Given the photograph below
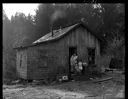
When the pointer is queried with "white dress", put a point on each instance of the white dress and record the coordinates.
(80, 65)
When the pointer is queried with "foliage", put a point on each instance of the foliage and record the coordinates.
(8, 54)
(116, 48)
(15, 32)
(106, 20)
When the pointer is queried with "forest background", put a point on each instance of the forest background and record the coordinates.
(107, 20)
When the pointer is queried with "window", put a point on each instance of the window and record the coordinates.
(91, 55)
(20, 60)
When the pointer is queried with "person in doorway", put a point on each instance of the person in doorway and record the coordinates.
(79, 67)
(73, 62)
(80, 64)
(84, 65)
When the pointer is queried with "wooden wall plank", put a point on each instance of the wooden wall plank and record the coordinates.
(56, 53)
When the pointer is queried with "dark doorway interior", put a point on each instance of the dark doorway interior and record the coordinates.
(91, 56)
(72, 50)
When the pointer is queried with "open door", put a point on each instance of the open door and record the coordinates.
(91, 56)
(72, 50)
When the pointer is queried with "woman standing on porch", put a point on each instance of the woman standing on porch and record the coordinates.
(73, 62)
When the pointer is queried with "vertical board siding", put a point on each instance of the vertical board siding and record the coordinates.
(36, 64)
(47, 58)
(22, 67)
(53, 59)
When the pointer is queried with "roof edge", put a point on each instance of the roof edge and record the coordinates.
(78, 24)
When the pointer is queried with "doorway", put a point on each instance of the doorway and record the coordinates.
(72, 50)
(91, 56)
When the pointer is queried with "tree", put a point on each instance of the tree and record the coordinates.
(8, 54)
(107, 20)
(23, 29)
(19, 31)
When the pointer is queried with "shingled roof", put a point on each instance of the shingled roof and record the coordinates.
(56, 34)
(60, 33)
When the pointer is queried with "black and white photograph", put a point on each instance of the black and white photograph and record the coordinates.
(63, 50)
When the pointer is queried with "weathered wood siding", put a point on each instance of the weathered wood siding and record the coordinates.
(43, 62)
(46, 58)
(22, 63)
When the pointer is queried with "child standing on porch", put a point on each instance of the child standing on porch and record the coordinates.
(79, 67)
(80, 64)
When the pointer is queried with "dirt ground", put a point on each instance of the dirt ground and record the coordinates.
(110, 89)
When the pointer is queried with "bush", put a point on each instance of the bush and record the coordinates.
(9, 67)
(116, 63)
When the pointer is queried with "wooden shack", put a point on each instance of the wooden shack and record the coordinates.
(50, 55)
